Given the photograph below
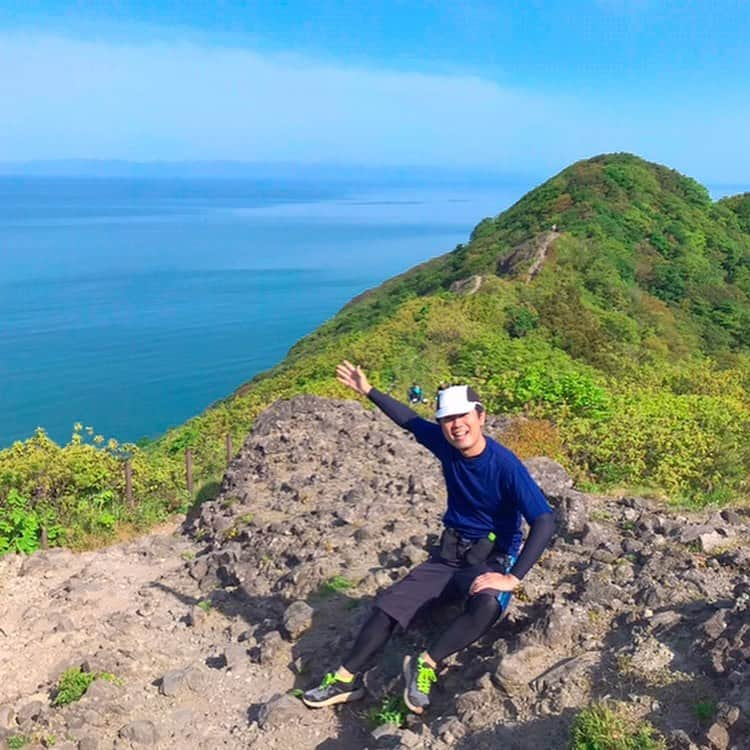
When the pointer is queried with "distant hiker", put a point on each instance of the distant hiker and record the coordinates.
(489, 492)
(554, 227)
(415, 394)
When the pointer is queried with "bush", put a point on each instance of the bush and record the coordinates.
(77, 491)
(21, 525)
(693, 447)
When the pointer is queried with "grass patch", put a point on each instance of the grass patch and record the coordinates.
(601, 727)
(336, 585)
(17, 741)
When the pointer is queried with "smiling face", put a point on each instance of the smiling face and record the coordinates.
(464, 432)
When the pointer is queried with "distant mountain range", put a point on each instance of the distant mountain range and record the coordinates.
(258, 170)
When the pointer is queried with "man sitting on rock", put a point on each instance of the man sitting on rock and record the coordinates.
(489, 492)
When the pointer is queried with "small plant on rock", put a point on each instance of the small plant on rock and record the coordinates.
(17, 741)
(74, 683)
(392, 710)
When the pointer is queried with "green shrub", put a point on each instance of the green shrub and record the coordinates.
(599, 727)
(72, 685)
(77, 491)
(692, 447)
(21, 524)
(520, 321)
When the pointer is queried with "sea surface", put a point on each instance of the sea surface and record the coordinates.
(131, 305)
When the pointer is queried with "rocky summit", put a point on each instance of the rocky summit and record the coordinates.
(197, 636)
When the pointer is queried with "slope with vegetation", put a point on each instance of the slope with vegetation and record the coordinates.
(623, 337)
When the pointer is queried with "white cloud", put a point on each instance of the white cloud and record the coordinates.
(67, 98)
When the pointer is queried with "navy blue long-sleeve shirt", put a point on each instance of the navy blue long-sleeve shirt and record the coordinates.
(491, 492)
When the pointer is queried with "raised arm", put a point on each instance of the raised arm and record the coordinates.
(352, 377)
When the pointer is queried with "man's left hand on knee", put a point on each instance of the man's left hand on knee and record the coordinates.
(495, 581)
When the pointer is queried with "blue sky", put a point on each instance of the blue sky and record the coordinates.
(517, 87)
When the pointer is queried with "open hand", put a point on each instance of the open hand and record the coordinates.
(352, 377)
(496, 581)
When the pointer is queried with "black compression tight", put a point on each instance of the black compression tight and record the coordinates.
(373, 636)
(482, 610)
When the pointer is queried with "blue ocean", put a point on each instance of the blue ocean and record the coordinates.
(132, 304)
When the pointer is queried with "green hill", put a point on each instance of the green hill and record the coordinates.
(610, 306)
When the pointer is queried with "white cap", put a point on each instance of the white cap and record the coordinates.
(458, 399)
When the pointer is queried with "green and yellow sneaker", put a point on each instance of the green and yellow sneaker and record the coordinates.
(418, 676)
(334, 690)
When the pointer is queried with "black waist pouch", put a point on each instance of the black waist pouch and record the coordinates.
(449, 546)
(455, 549)
(480, 550)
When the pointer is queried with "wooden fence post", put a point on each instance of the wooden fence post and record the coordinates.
(189, 470)
(43, 538)
(129, 483)
(230, 453)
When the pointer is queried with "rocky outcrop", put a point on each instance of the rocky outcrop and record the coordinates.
(527, 259)
(467, 286)
(204, 631)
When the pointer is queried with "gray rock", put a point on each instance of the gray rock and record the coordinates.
(101, 691)
(31, 712)
(279, 710)
(516, 671)
(717, 737)
(554, 481)
(711, 541)
(6, 717)
(567, 671)
(715, 625)
(594, 535)
(297, 618)
(727, 714)
(271, 645)
(450, 730)
(650, 656)
(386, 735)
(141, 732)
(236, 656)
(178, 680)
(681, 739)
(573, 513)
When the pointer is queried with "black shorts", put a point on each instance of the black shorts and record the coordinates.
(430, 580)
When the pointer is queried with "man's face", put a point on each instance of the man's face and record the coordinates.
(464, 432)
